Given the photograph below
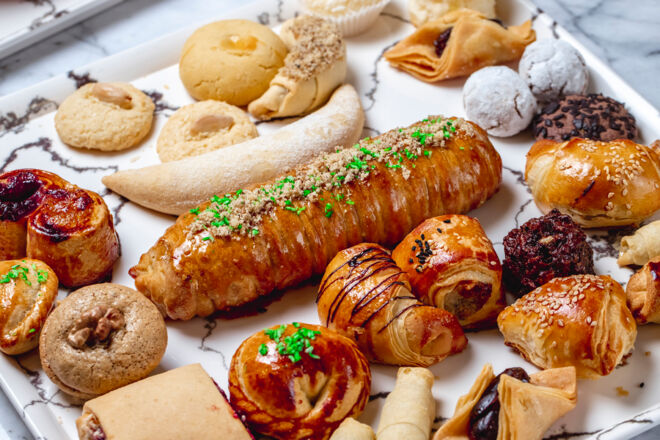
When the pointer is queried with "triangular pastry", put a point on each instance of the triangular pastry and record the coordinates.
(643, 293)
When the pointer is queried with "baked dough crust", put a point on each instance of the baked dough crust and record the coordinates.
(642, 246)
(643, 292)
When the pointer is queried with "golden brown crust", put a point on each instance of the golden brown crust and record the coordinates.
(452, 265)
(643, 293)
(599, 184)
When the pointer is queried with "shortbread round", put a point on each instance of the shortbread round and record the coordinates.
(203, 127)
(104, 116)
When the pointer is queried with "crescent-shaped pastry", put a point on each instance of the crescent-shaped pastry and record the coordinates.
(351, 429)
(640, 247)
(579, 321)
(452, 265)
(643, 292)
(366, 297)
(599, 184)
(314, 67)
(458, 44)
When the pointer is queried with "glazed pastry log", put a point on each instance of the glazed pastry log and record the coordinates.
(236, 248)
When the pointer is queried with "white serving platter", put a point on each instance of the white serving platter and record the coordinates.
(390, 98)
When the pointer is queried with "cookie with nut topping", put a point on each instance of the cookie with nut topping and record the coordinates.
(109, 116)
(100, 338)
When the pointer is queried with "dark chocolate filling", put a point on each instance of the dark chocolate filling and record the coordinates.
(440, 43)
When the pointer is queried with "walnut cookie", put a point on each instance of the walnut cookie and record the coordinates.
(101, 337)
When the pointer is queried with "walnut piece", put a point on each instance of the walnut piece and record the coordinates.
(112, 95)
(95, 325)
(211, 123)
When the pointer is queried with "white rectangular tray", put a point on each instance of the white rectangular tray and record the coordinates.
(391, 98)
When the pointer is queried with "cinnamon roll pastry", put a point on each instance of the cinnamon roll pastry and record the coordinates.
(642, 246)
(457, 44)
(366, 297)
(298, 381)
(643, 292)
(245, 244)
(579, 321)
(452, 265)
(512, 405)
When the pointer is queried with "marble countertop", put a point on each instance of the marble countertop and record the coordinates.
(627, 38)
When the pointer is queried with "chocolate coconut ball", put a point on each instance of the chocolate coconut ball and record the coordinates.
(542, 249)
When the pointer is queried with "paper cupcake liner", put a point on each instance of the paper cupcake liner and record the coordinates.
(356, 22)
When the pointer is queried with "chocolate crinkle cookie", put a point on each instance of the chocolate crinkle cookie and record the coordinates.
(591, 116)
(545, 248)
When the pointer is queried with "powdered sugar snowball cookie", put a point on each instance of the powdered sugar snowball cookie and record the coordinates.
(351, 16)
(552, 69)
(497, 99)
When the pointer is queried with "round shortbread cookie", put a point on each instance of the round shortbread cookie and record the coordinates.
(203, 127)
(104, 116)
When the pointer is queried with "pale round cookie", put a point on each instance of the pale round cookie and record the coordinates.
(101, 337)
(231, 61)
(104, 116)
(203, 127)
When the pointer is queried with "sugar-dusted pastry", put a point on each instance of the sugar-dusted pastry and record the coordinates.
(452, 265)
(100, 338)
(184, 403)
(237, 247)
(409, 409)
(643, 292)
(512, 405)
(298, 381)
(599, 184)
(458, 44)
(422, 11)
(351, 16)
(579, 321)
(351, 429)
(640, 247)
(28, 289)
(313, 69)
(44, 217)
(366, 297)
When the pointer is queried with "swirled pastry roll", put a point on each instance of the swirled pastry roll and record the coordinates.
(642, 246)
(237, 247)
(451, 264)
(643, 292)
(579, 321)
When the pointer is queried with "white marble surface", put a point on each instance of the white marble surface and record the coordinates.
(625, 34)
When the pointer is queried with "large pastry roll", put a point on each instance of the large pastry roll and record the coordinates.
(366, 297)
(458, 44)
(521, 406)
(579, 321)
(642, 246)
(451, 264)
(599, 184)
(298, 381)
(239, 246)
(643, 292)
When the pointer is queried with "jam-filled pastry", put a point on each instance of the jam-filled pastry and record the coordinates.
(512, 405)
(298, 381)
(451, 264)
(458, 44)
(643, 292)
(366, 297)
(43, 216)
(642, 246)
(28, 289)
(579, 321)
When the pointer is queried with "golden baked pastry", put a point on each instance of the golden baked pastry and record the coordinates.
(452, 265)
(298, 381)
(422, 11)
(28, 289)
(643, 292)
(599, 184)
(351, 429)
(184, 403)
(458, 44)
(528, 405)
(579, 321)
(280, 233)
(44, 217)
(640, 247)
(366, 297)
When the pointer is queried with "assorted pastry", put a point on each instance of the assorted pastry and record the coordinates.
(352, 17)
(422, 11)
(641, 246)
(643, 293)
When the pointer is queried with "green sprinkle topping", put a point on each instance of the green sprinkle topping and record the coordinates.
(328, 210)
(255, 231)
(17, 271)
(32, 330)
(350, 202)
(195, 211)
(263, 350)
(421, 137)
(294, 345)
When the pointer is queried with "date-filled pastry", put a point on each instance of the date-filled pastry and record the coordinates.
(184, 403)
(640, 247)
(28, 289)
(458, 44)
(579, 321)
(512, 405)
(643, 292)
(298, 381)
(599, 184)
(452, 265)
(366, 297)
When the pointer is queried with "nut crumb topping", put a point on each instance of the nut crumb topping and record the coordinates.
(95, 325)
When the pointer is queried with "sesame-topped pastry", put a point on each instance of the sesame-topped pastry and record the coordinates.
(599, 184)
(313, 69)
(245, 244)
(579, 321)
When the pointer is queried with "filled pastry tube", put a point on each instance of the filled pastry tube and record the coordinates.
(643, 293)
(351, 429)
(642, 246)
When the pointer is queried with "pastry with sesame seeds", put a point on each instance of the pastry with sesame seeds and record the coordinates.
(643, 291)
(580, 321)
